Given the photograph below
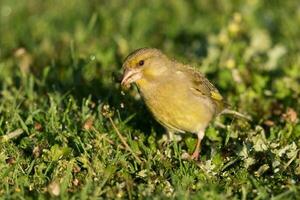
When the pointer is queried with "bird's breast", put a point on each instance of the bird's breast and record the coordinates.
(174, 106)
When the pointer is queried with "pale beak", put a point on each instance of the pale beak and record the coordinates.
(130, 76)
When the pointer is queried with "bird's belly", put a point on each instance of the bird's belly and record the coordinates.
(181, 113)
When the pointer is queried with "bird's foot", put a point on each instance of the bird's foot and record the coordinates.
(164, 141)
(194, 156)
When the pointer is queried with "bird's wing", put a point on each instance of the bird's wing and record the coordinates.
(201, 86)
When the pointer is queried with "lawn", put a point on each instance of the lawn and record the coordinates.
(64, 117)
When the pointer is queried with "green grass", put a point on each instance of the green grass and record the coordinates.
(60, 63)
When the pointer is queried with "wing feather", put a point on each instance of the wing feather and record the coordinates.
(202, 87)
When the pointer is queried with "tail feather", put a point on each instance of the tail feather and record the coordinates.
(237, 114)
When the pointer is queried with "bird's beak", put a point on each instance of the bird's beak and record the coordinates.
(130, 76)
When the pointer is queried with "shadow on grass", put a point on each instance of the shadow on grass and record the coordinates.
(104, 90)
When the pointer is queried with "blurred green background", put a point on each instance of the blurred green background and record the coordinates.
(60, 62)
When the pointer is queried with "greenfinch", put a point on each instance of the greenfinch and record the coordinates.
(179, 97)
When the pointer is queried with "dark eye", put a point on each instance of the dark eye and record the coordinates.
(141, 63)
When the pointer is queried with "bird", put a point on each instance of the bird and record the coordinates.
(180, 97)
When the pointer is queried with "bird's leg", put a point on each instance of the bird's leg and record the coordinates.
(166, 138)
(196, 152)
(169, 137)
(174, 137)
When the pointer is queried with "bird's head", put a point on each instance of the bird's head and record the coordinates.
(144, 65)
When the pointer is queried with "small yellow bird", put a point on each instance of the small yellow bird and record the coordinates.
(180, 98)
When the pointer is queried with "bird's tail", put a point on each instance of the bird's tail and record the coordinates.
(237, 114)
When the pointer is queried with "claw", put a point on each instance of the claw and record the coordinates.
(195, 155)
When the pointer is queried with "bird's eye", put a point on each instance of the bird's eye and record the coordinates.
(141, 63)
